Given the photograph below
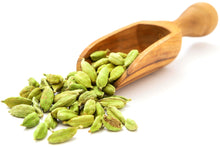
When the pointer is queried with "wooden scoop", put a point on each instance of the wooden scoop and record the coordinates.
(158, 42)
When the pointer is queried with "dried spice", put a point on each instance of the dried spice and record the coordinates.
(83, 99)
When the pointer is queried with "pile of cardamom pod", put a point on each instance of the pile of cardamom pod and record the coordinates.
(83, 99)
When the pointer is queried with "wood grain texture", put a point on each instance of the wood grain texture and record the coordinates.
(199, 19)
(158, 42)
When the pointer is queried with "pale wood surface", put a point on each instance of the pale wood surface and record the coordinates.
(158, 42)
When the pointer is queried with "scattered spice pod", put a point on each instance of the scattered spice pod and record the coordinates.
(80, 100)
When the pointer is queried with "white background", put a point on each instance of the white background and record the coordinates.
(177, 106)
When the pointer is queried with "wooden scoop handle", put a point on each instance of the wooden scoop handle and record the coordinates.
(199, 19)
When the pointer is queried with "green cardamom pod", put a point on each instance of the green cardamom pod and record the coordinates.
(74, 86)
(117, 102)
(80, 121)
(116, 113)
(53, 79)
(62, 135)
(102, 78)
(86, 96)
(116, 59)
(100, 62)
(120, 97)
(31, 120)
(132, 55)
(65, 115)
(50, 122)
(123, 55)
(116, 97)
(41, 131)
(21, 110)
(116, 73)
(37, 107)
(89, 107)
(99, 109)
(44, 83)
(111, 123)
(89, 69)
(98, 92)
(100, 67)
(65, 93)
(33, 82)
(36, 92)
(13, 101)
(131, 125)
(98, 55)
(26, 91)
(97, 124)
(46, 99)
(75, 107)
(71, 74)
(65, 101)
(57, 87)
(109, 65)
(65, 85)
(82, 78)
(54, 112)
(109, 89)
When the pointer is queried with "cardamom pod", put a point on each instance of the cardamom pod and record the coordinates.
(89, 69)
(117, 97)
(65, 93)
(98, 92)
(98, 55)
(132, 55)
(82, 78)
(65, 115)
(74, 86)
(62, 135)
(31, 120)
(36, 92)
(100, 62)
(121, 97)
(131, 125)
(65, 101)
(41, 131)
(37, 107)
(71, 74)
(89, 107)
(117, 102)
(44, 83)
(116, 73)
(21, 110)
(65, 85)
(46, 99)
(111, 123)
(53, 79)
(99, 109)
(109, 89)
(57, 87)
(33, 82)
(86, 96)
(116, 113)
(80, 121)
(102, 78)
(116, 59)
(13, 101)
(55, 111)
(75, 107)
(109, 65)
(97, 124)
(123, 55)
(26, 91)
(50, 122)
